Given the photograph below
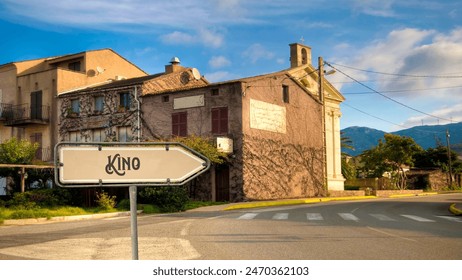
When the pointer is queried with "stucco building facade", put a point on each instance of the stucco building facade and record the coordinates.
(29, 90)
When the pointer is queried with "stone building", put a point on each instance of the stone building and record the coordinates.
(112, 112)
(281, 135)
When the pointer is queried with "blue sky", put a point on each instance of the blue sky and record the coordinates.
(399, 62)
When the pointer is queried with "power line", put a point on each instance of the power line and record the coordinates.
(400, 75)
(387, 97)
(370, 115)
(387, 121)
(403, 90)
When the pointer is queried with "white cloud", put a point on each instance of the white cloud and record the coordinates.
(220, 76)
(202, 36)
(178, 37)
(447, 114)
(219, 62)
(417, 57)
(257, 52)
(381, 8)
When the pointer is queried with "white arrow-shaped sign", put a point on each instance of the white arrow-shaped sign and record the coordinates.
(96, 164)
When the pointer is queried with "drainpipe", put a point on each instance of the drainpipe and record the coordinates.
(138, 104)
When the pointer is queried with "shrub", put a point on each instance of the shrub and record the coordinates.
(124, 204)
(105, 201)
(21, 201)
(168, 199)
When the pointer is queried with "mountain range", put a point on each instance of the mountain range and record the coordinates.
(427, 136)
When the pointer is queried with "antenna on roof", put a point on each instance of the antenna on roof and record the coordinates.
(100, 69)
(196, 74)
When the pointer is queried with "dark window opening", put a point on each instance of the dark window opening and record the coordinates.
(99, 104)
(215, 92)
(285, 94)
(74, 66)
(165, 98)
(75, 106)
(125, 100)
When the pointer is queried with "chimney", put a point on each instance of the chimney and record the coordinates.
(174, 66)
(299, 55)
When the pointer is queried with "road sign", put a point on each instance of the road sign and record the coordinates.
(126, 164)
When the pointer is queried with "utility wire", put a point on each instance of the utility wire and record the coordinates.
(403, 90)
(401, 75)
(370, 115)
(387, 97)
(387, 121)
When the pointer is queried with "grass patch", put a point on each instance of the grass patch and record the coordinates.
(10, 213)
(149, 208)
(42, 212)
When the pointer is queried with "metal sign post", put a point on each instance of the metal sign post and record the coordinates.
(134, 221)
(127, 165)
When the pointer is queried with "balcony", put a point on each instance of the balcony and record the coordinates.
(2, 111)
(19, 115)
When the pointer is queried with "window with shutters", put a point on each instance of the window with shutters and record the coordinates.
(180, 124)
(75, 106)
(99, 104)
(124, 100)
(220, 120)
(125, 134)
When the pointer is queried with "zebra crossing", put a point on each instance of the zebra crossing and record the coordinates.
(319, 217)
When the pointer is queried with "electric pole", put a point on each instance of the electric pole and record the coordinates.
(449, 157)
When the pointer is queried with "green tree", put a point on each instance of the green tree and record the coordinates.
(14, 151)
(437, 158)
(393, 154)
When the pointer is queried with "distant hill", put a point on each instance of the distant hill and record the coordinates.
(427, 136)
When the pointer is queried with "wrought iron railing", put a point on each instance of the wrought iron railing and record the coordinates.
(23, 114)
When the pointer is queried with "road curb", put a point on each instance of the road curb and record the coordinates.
(21, 222)
(412, 194)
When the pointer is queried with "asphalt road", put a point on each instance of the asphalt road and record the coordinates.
(394, 229)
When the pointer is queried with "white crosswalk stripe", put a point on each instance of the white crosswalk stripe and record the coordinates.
(382, 217)
(352, 217)
(348, 216)
(314, 217)
(281, 216)
(418, 219)
(247, 216)
(450, 218)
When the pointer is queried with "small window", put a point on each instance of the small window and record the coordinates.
(99, 135)
(285, 94)
(215, 91)
(75, 106)
(74, 66)
(165, 98)
(99, 104)
(125, 134)
(125, 100)
(180, 124)
(220, 120)
(74, 136)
